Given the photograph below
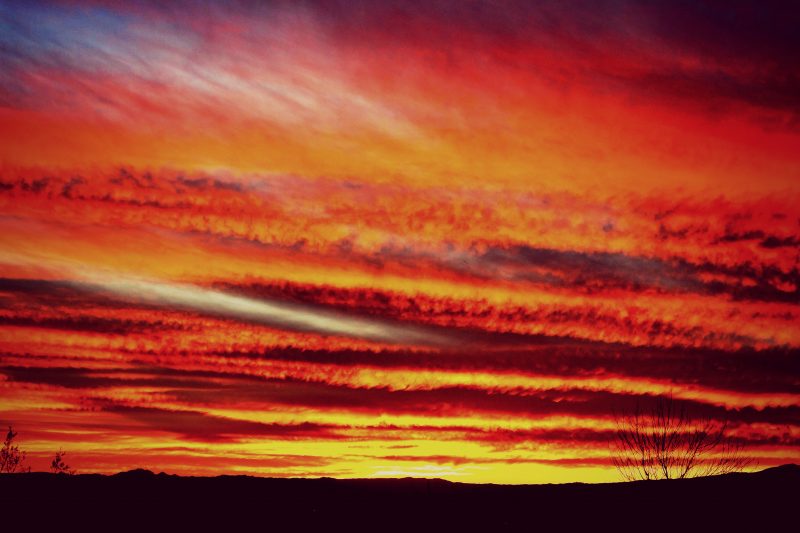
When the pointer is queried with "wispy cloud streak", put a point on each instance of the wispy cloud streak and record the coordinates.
(281, 315)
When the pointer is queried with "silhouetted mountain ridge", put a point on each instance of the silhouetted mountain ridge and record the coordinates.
(731, 500)
(789, 469)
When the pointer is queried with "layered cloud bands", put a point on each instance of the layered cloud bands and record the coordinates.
(382, 239)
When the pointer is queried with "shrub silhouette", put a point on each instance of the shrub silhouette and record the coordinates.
(58, 466)
(668, 443)
(11, 458)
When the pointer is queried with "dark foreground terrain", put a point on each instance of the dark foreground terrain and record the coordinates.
(763, 501)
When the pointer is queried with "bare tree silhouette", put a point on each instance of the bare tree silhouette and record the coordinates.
(666, 442)
(11, 458)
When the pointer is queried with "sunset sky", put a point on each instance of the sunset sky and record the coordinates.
(384, 239)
